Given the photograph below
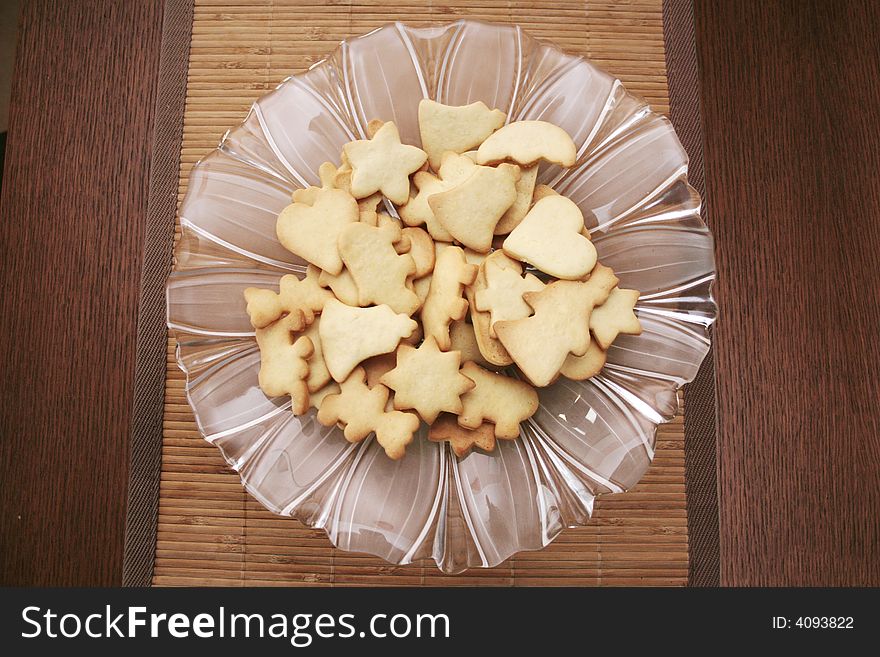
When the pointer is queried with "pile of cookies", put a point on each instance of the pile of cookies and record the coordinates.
(486, 287)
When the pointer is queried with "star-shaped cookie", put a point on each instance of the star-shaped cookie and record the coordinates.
(615, 316)
(427, 380)
(383, 164)
(460, 439)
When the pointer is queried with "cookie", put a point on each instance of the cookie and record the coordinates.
(549, 237)
(444, 303)
(319, 375)
(615, 316)
(502, 260)
(455, 167)
(327, 172)
(422, 286)
(542, 191)
(417, 212)
(415, 338)
(383, 164)
(473, 257)
(427, 380)
(342, 180)
(540, 344)
(503, 296)
(283, 366)
(447, 429)
(327, 175)
(377, 269)
(491, 348)
(471, 209)
(464, 340)
(526, 142)
(311, 225)
(447, 128)
(294, 295)
(580, 368)
(350, 335)
(317, 398)
(369, 217)
(454, 170)
(306, 195)
(361, 410)
(439, 246)
(384, 219)
(421, 248)
(373, 218)
(500, 399)
(373, 126)
(525, 188)
(370, 203)
(378, 366)
(343, 286)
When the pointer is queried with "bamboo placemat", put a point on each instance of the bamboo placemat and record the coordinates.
(210, 532)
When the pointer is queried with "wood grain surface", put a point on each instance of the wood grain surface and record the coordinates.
(790, 98)
(71, 224)
(791, 92)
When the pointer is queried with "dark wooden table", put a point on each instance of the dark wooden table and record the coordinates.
(790, 98)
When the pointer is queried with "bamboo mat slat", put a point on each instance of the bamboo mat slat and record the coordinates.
(210, 532)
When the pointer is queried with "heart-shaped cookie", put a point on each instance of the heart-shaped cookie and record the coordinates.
(550, 239)
(311, 225)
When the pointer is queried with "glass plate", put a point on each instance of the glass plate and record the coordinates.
(587, 438)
